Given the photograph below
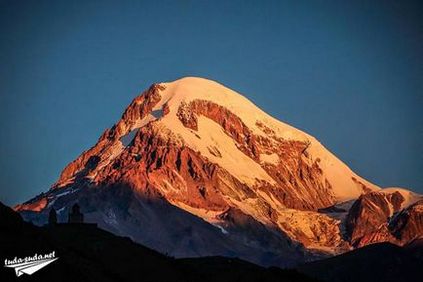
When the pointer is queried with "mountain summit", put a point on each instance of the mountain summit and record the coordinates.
(193, 168)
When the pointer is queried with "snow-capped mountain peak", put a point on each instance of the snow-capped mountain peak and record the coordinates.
(203, 149)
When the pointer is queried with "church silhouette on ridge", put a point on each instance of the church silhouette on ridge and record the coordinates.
(75, 216)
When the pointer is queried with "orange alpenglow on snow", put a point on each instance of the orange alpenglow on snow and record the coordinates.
(208, 152)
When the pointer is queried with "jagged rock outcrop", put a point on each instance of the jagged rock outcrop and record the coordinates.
(408, 224)
(388, 216)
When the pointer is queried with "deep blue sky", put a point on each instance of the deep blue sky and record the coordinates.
(348, 72)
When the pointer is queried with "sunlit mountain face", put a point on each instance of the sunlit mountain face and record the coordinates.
(194, 169)
(211, 141)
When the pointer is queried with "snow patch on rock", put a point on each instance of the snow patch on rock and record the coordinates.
(231, 158)
(270, 158)
(127, 139)
(409, 196)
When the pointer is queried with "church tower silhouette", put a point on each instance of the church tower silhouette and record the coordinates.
(75, 216)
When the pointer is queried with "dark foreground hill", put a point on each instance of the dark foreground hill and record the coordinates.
(378, 262)
(87, 253)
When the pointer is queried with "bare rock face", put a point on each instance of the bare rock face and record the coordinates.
(195, 161)
(408, 224)
(301, 171)
(382, 217)
(369, 215)
(36, 205)
(89, 160)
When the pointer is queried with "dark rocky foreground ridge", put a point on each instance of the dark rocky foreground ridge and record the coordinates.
(377, 262)
(87, 253)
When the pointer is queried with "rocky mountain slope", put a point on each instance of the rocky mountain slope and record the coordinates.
(87, 253)
(193, 168)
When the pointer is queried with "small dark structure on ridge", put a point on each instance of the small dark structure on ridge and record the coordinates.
(75, 216)
(52, 217)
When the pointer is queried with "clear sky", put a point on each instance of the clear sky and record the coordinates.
(348, 72)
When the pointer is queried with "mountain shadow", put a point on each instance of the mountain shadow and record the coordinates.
(378, 262)
(88, 253)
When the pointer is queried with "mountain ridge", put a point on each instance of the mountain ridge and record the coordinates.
(88, 253)
(210, 152)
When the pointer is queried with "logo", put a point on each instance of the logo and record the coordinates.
(31, 264)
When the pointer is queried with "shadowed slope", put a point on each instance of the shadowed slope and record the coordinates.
(378, 262)
(87, 253)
